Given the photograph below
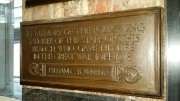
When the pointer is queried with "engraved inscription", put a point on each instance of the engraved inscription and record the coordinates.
(98, 43)
(80, 70)
(111, 39)
(126, 74)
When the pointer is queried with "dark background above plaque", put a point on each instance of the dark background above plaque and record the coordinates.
(42, 2)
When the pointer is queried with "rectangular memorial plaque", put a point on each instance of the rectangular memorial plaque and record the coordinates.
(113, 52)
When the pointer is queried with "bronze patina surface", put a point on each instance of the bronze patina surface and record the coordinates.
(113, 52)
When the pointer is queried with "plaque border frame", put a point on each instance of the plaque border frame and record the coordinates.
(161, 62)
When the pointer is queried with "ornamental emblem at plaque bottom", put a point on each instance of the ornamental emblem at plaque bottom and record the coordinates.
(128, 74)
(35, 69)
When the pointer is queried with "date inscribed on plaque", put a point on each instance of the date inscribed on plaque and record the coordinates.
(113, 52)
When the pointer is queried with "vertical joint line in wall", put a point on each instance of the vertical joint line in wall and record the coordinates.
(179, 20)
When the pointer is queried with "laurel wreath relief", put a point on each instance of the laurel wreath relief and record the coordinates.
(129, 74)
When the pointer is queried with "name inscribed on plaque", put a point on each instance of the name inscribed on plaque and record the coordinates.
(117, 51)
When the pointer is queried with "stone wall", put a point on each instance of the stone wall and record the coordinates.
(84, 7)
(77, 8)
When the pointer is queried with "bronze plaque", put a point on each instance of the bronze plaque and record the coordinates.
(113, 52)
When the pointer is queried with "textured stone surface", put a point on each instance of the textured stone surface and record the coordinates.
(76, 8)
(84, 7)
(48, 95)
(51, 94)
